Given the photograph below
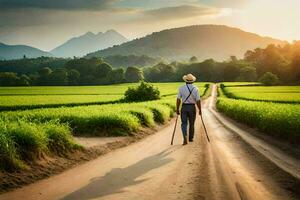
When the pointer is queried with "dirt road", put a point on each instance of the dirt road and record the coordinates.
(226, 168)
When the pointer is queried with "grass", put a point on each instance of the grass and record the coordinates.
(280, 94)
(47, 101)
(22, 141)
(26, 135)
(276, 119)
(112, 119)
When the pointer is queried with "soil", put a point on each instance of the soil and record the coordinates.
(49, 165)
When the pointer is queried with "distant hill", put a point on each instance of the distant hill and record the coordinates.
(89, 42)
(204, 41)
(8, 52)
(131, 60)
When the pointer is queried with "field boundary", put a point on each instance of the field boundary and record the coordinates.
(259, 144)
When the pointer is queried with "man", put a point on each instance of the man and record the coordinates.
(189, 95)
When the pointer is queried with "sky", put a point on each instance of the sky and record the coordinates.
(45, 24)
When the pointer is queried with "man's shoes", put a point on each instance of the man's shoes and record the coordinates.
(191, 140)
(185, 141)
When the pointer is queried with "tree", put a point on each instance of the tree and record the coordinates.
(295, 64)
(193, 59)
(46, 71)
(24, 80)
(8, 79)
(116, 76)
(247, 74)
(73, 77)
(231, 71)
(233, 59)
(44, 76)
(59, 77)
(160, 72)
(144, 92)
(269, 79)
(103, 70)
(133, 74)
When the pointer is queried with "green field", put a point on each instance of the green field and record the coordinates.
(20, 98)
(9, 102)
(274, 110)
(27, 134)
(281, 94)
(165, 89)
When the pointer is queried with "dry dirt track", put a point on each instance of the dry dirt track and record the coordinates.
(227, 168)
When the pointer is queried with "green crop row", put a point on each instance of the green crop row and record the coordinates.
(22, 141)
(276, 119)
(111, 119)
(117, 89)
(276, 94)
(25, 135)
(11, 103)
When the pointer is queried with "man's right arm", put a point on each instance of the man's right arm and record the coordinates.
(178, 102)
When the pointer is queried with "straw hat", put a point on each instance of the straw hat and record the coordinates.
(189, 78)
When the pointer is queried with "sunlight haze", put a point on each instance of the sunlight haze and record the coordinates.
(47, 24)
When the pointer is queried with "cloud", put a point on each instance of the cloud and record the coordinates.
(180, 12)
(225, 4)
(57, 4)
(47, 28)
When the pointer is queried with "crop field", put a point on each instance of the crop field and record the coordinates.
(274, 110)
(281, 94)
(35, 101)
(118, 89)
(20, 98)
(27, 134)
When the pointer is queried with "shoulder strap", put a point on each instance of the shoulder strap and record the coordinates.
(191, 91)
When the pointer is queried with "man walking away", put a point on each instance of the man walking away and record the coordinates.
(189, 95)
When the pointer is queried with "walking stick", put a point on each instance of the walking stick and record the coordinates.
(174, 130)
(204, 128)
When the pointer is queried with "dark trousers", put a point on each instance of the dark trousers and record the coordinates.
(188, 116)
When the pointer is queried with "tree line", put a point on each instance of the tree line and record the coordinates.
(82, 71)
(270, 65)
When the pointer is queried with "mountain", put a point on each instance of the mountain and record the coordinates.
(204, 41)
(8, 52)
(89, 42)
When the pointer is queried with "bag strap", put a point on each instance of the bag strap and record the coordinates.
(191, 91)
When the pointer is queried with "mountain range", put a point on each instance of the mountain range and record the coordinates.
(89, 42)
(204, 41)
(8, 52)
(77, 46)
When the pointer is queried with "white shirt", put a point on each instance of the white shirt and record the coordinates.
(184, 92)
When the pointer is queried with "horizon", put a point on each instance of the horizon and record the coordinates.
(47, 25)
(130, 39)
